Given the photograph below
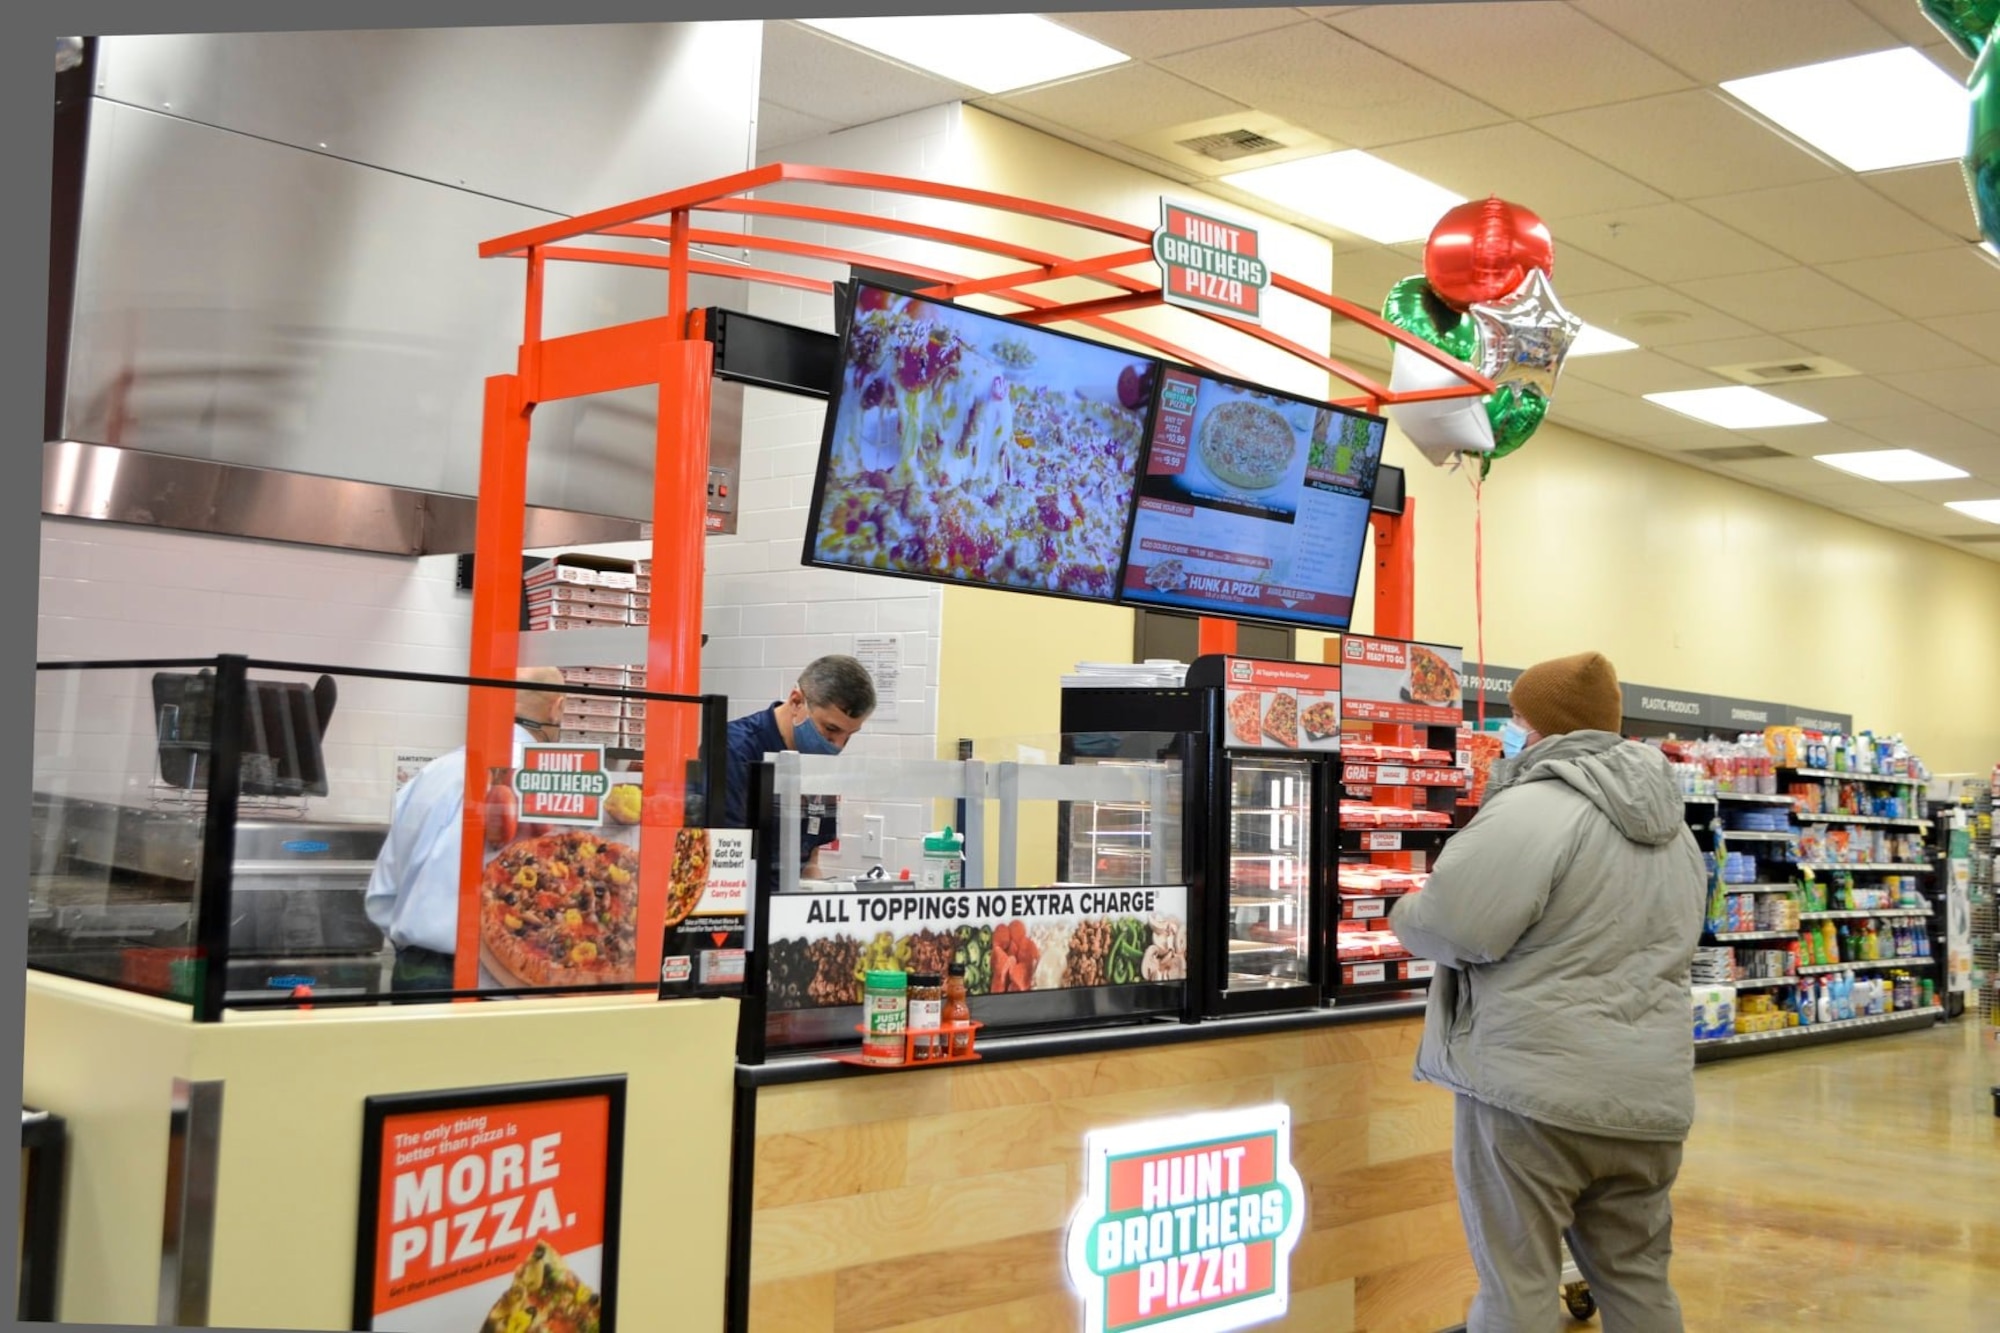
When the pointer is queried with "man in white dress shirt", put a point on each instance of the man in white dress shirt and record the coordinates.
(413, 894)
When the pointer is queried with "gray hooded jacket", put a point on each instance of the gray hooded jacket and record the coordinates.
(1563, 920)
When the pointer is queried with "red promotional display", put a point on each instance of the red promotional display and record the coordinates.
(491, 1210)
(1404, 684)
(1281, 705)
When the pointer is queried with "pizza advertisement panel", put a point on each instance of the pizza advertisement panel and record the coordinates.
(491, 1210)
(821, 945)
(1414, 684)
(1252, 504)
(963, 447)
(1281, 706)
(708, 904)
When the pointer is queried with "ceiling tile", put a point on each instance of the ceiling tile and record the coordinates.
(1736, 351)
(778, 126)
(1935, 193)
(1145, 34)
(1123, 102)
(806, 71)
(1687, 144)
(1787, 300)
(1848, 399)
(1904, 18)
(1667, 243)
(1939, 434)
(1521, 164)
(1500, 58)
(1578, 272)
(1619, 418)
(1978, 333)
(1365, 276)
(1825, 437)
(1713, 40)
(1802, 475)
(1888, 349)
(1824, 222)
(1655, 316)
(1961, 390)
(1639, 372)
(1327, 82)
(1958, 281)
(1947, 58)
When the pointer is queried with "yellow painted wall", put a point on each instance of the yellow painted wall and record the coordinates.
(291, 1138)
(1683, 578)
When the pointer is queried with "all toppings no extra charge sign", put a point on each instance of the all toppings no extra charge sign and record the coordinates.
(1188, 1225)
(493, 1210)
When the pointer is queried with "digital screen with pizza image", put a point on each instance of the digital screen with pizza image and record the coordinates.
(1252, 503)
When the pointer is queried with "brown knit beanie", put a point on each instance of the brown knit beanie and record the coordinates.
(1578, 693)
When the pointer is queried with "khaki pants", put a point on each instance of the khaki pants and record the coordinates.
(1523, 1184)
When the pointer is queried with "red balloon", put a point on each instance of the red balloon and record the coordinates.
(1481, 251)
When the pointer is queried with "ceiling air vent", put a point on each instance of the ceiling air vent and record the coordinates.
(1737, 453)
(1230, 145)
(1786, 371)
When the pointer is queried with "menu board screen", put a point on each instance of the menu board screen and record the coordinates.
(968, 448)
(1253, 504)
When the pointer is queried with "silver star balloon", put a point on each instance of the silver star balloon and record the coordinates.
(1526, 335)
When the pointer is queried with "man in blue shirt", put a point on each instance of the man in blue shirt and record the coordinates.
(413, 894)
(832, 700)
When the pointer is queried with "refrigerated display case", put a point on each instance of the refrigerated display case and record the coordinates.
(1269, 905)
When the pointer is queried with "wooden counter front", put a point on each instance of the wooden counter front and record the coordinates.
(930, 1200)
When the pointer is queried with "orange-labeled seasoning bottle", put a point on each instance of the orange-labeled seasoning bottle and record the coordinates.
(956, 1008)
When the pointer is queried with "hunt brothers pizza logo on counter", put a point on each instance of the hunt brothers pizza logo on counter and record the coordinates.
(1208, 264)
(1188, 1225)
(493, 1210)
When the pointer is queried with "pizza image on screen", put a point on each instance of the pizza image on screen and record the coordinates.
(1281, 723)
(562, 910)
(1167, 575)
(690, 874)
(1321, 720)
(545, 1297)
(1246, 712)
(1248, 445)
(1432, 680)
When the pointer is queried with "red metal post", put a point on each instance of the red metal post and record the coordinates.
(496, 639)
(1214, 635)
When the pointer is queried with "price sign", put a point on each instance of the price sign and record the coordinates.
(1420, 969)
(1367, 974)
(1366, 909)
(1382, 842)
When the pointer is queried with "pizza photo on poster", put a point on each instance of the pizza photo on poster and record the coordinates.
(559, 893)
(491, 1210)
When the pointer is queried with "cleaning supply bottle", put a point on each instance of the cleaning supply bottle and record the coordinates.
(1824, 1013)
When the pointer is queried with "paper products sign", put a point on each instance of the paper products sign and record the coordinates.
(1188, 1224)
(481, 1207)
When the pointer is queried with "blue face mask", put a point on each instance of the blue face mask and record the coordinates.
(808, 740)
(1513, 739)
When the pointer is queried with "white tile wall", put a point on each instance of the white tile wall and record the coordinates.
(110, 592)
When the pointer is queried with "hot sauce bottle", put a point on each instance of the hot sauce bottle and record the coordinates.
(956, 1008)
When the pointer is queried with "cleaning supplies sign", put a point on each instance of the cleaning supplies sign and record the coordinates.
(1188, 1224)
(1208, 264)
(480, 1207)
(562, 784)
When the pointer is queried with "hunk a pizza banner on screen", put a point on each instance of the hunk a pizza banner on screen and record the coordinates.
(1210, 265)
(1411, 684)
(1283, 706)
(492, 1209)
(1187, 1225)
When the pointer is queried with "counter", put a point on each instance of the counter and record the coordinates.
(928, 1199)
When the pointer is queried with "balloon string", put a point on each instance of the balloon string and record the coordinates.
(1479, 581)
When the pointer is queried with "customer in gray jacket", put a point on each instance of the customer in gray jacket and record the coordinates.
(1563, 920)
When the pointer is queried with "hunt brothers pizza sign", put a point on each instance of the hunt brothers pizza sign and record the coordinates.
(562, 784)
(1208, 264)
(1188, 1224)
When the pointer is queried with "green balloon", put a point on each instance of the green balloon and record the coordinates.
(1982, 153)
(1968, 23)
(1414, 308)
(1514, 417)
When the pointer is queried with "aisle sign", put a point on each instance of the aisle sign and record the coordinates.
(1188, 1224)
(471, 1200)
(1208, 264)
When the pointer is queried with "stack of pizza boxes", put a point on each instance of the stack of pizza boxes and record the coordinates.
(572, 593)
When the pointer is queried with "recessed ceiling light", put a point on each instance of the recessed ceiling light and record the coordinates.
(1355, 192)
(995, 53)
(1735, 408)
(1593, 341)
(1869, 113)
(1892, 465)
(1986, 511)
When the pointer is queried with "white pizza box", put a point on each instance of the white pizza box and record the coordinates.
(574, 594)
(593, 737)
(592, 706)
(642, 566)
(563, 570)
(577, 617)
(614, 678)
(642, 582)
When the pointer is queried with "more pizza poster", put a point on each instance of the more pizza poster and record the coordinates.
(1283, 706)
(1409, 684)
(491, 1210)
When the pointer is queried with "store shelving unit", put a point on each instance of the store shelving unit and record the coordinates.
(1781, 871)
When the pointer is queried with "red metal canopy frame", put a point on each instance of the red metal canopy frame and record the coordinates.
(672, 353)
